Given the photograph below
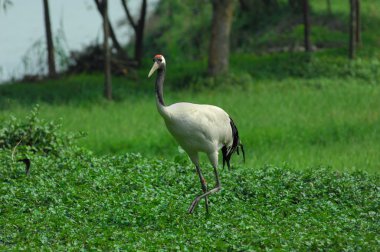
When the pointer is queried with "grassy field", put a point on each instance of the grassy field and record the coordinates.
(310, 125)
(300, 122)
(290, 108)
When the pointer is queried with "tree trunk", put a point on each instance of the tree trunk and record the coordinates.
(306, 20)
(222, 14)
(140, 33)
(352, 40)
(106, 51)
(115, 41)
(49, 40)
(358, 24)
(139, 46)
(138, 29)
(329, 10)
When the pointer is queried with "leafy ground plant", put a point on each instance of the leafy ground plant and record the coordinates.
(80, 201)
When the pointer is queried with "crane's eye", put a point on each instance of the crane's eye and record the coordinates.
(159, 60)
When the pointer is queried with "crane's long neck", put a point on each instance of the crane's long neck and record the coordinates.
(162, 109)
(160, 86)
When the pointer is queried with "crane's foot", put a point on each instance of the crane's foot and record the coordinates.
(197, 199)
(194, 204)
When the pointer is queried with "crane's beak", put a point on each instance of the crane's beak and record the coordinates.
(153, 69)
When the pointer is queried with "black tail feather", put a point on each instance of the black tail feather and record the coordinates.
(228, 151)
(224, 153)
(242, 150)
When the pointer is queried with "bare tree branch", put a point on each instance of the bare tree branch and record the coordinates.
(115, 42)
(5, 4)
(130, 18)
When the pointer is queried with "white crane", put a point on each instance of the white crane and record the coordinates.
(197, 128)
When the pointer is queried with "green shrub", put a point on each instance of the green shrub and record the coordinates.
(34, 135)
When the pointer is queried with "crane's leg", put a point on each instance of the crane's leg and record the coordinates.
(204, 185)
(214, 161)
(194, 158)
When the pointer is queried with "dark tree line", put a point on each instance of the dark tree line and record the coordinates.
(219, 49)
(354, 25)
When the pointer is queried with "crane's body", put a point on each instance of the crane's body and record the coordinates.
(197, 128)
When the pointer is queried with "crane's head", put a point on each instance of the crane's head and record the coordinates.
(159, 63)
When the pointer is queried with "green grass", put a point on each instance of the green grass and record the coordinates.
(80, 201)
(301, 122)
